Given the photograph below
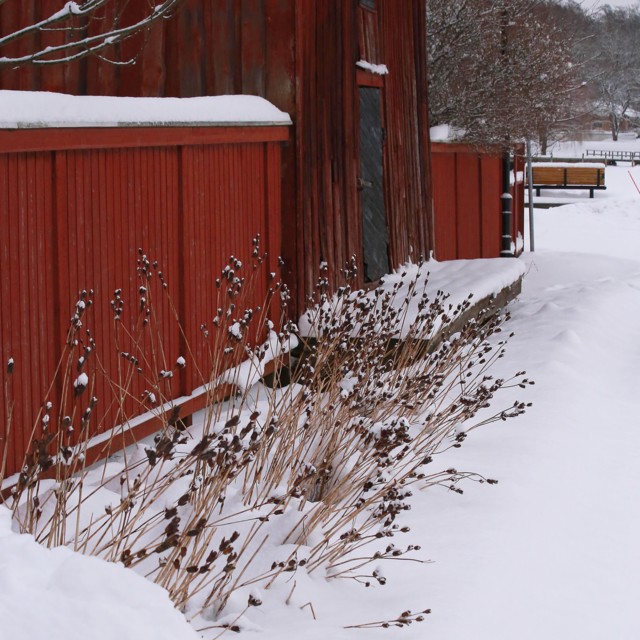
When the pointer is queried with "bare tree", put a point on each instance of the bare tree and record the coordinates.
(617, 60)
(86, 28)
(500, 70)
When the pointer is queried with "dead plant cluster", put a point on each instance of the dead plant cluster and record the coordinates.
(312, 476)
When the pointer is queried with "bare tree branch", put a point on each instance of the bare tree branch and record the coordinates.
(72, 19)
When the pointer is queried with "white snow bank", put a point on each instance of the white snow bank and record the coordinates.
(459, 278)
(456, 278)
(249, 372)
(62, 595)
(38, 109)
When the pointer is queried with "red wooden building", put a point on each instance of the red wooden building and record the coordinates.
(76, 206)
(351, 176)
(467, 185)
(302, 56)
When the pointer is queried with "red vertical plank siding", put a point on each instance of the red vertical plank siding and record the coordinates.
(518, 194)
(273, 222)
(5, 294)
(153, 62)
(74, 219)
(406, 163)
(9, 22)
(445, 205)
(368, 41)
(302, 57)
(490, 191)
(28, 15)
(469, 212)
(279, 49)
(472, 179)
(253, 47)
(26, 286)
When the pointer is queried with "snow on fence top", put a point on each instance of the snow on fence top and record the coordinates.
(482, 277)
(445, 133)
(571, 165)
(40, 109)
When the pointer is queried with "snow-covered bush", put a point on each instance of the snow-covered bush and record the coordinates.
(310, 477)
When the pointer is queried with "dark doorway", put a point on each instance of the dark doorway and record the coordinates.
(375, 237)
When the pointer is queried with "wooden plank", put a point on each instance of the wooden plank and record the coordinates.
(280, 64)
(568, 176)
(445, 195)
(21, 140)
(154, 69)
(7, 445)
(253, 47)
(548, 175)
(368, 79)
(490, 191)
(468, 210)
(223, 64)
(368, 38)
(190, 49)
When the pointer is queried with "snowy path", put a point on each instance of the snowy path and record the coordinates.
(553, 551)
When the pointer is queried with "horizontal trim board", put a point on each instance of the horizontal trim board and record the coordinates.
(461, 147)
(28, 140)
(367, 79)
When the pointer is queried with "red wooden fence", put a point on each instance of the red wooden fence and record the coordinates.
(467, 185)
(75, 208)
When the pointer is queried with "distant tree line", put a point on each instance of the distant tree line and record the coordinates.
(507, 70)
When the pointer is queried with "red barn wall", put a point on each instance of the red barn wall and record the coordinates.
(467, 184)
(73, 216)
(301, 55)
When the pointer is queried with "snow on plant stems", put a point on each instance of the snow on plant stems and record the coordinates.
(311, 476)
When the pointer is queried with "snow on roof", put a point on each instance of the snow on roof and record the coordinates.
(40, 109)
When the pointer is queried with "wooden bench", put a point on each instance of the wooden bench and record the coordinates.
(577, 175)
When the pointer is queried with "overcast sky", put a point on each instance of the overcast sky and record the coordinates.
(588, 4)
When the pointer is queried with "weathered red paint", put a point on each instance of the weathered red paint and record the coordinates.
(299, 54)
(467, 183)
(278, 49)
(73, 218)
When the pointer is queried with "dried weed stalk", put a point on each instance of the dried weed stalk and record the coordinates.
(312, 476)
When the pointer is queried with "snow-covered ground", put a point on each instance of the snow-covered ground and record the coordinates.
(617, 179)
(551, 552)
(59, 594)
